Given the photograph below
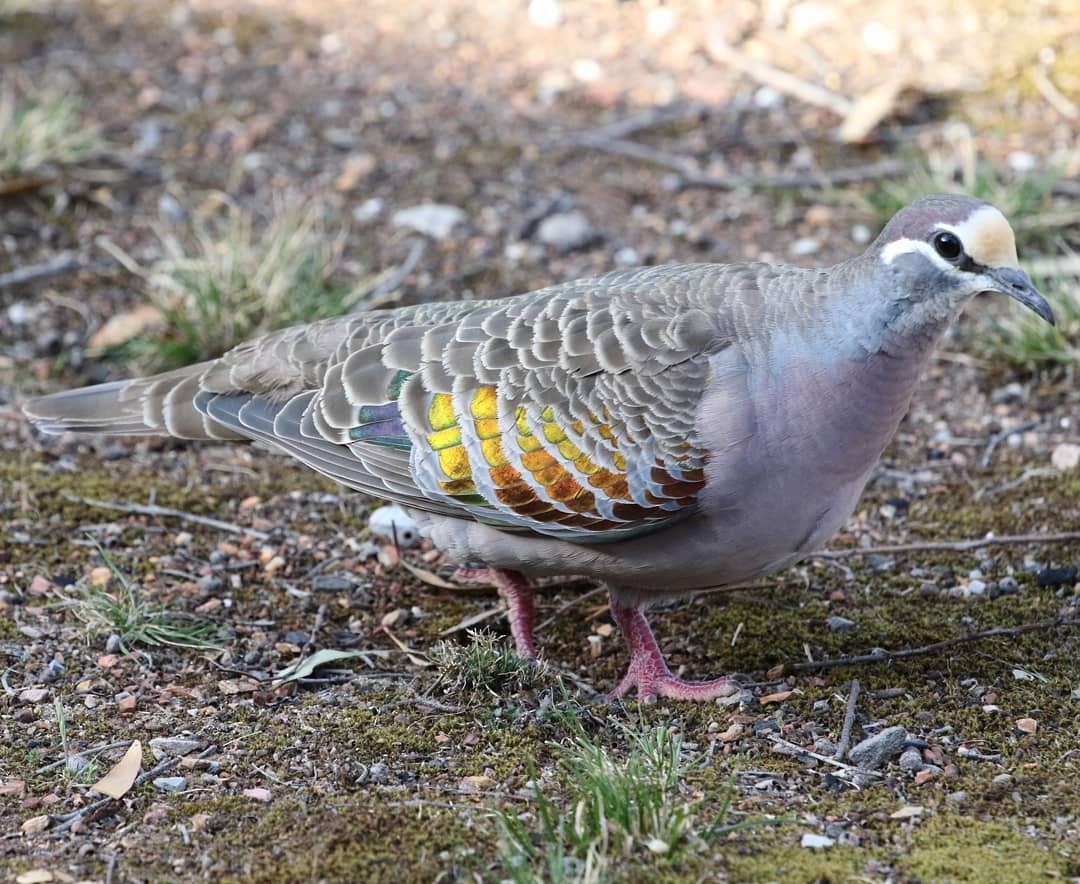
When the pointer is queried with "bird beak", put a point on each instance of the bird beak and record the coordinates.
(1012, 281)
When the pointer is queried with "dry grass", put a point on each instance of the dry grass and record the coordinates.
(41, 130)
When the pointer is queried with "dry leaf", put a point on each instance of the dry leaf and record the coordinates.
(431, 578)
(1027, 725)
(36, 876)
(907, 812)
(304, 668)
(776, 698)
(118, 781)
(122, 327)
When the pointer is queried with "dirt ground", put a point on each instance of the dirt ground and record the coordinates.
(637, 116)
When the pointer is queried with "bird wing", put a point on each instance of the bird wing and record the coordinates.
(570, 411)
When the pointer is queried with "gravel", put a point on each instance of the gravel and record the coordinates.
(567, 231)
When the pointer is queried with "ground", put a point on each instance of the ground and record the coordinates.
(386, 766)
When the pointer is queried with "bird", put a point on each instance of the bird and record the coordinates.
(663, 430)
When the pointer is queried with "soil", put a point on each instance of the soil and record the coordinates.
(370, 770)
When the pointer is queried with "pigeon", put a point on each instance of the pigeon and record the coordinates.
(662, 430)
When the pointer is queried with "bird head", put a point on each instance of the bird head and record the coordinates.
(944, 249)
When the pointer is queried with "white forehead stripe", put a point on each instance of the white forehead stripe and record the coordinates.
(987, 238)
(906, 246)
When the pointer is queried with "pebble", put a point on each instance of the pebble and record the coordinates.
(1008, 586)
(208, 584)
(34, 695)
(167, 747)
(1057, 576)
(566, 231)
(805, 245)
(332, 583)
(368, 210)
(379, 773)
(976, 587)
(815, 841)
(841, 624)
(431, 219)
(874, 751)
(1066, 456)
(171, 784)
(911, 760)
(392, 521)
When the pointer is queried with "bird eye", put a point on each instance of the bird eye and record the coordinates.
(948, 245)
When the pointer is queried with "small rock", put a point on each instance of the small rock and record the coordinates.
(34, 695)
(957, 797)
(841, 624)
(976, 587)
(1027, 725)
(911, 760)
(1008, 586)
(379, 773)
(431, 219)
(874, 751)
(815, 841)
(332, 583)
(393, 522)
(209, 584)
(806, 245)
(1066, 456)
(165, 747)
(566, 231)
(1002, 780)
(368, 210)
(171, 784)
(1057, 576)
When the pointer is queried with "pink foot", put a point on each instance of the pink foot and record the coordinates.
(649, 672)
(518, 595)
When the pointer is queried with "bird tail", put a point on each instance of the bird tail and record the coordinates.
(160, 405)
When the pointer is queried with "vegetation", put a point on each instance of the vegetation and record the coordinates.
(485, 664)
(42, 130)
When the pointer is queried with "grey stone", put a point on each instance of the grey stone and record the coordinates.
(170, 747)
(171, 784)
(841, 624)
(911, 760)
(431, 219)
(566, 231)
(874, 751)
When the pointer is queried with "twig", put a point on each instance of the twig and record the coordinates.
(691, 176)
(1000, 437)
(883, 656)
(949, 545)
(577, 600)
(1026, 476)
(66, 262)
(67, 820)
(781, 81)
(825, 178)
(144, 509)
(394, 280)
(320, 615)
(849, 720)
(649, 119)
(785, 747)
(96, 750)
(1063, 105)
(1067, 265)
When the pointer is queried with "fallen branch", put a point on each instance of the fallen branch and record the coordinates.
(949, 545)
(883, 656)
(152, 509)
(786, 747)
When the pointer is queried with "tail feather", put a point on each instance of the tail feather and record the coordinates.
(161, 405)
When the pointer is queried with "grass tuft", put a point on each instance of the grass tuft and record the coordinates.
(485, 664)
(125, 613)
(42, 131)
(231, 275)
(627, 810)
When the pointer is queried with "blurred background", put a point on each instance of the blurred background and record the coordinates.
(175, 177)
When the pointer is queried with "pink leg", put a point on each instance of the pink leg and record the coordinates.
(518, 595)
(649, 673)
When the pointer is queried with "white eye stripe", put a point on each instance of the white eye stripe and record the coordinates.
(909, 246)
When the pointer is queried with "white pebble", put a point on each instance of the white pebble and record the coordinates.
(816, 842)
(392, 521)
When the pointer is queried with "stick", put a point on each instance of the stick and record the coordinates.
(394, 280)
(152, 509)
(889, 656)
(785, 747)
(649, 119)
(949, 545)
(66, 262)
(781, 81)
(849, 720)
(93, 751)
